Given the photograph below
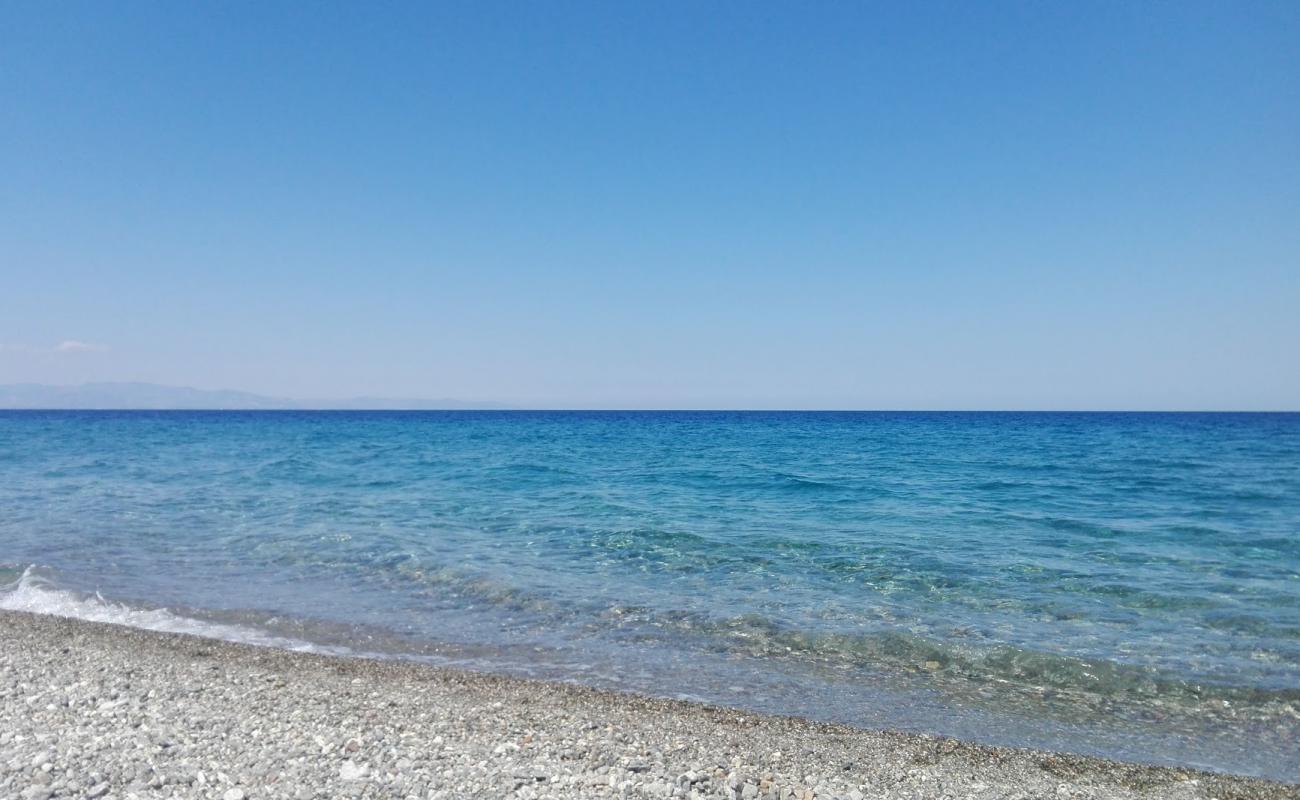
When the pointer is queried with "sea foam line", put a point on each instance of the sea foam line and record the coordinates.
(37, 594)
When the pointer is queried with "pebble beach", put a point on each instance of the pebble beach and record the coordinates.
(105, 711)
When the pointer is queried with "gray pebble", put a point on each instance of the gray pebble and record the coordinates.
(283, 724)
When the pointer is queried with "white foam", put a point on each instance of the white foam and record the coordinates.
(37, 594)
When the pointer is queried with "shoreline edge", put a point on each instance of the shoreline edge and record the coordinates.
(97, 710)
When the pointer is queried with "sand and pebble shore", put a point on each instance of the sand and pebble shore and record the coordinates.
(102, 711)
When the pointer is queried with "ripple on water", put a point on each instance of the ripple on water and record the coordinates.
(1127, 584)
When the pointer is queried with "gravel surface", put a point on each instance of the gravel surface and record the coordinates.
(102, 711)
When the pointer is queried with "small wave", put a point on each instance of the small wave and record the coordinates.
(998, 486)
(527, 468)
(801, 482)
(1068, 525)
(36, 592)
(961, 665)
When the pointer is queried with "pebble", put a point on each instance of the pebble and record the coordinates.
(352, 771)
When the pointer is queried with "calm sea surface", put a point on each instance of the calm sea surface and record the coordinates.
(1120, 584)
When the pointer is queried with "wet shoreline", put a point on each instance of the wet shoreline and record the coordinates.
(92, 709)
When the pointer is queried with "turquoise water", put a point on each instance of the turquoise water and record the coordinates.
(1119, 584)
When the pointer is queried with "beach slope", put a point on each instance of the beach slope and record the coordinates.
(94, 710)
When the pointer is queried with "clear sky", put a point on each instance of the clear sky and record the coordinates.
(680, 204)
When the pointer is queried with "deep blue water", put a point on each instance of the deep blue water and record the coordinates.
(1121, 584)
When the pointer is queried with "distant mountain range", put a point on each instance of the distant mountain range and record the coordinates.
(152, 396)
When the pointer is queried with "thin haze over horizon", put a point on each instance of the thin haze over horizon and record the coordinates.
(674, 205)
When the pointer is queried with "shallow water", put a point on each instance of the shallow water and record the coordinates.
(1119, 584)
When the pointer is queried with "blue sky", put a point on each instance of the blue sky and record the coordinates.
(804, 205)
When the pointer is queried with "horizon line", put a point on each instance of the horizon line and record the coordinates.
(639, 410)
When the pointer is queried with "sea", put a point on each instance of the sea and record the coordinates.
(1124, 585)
